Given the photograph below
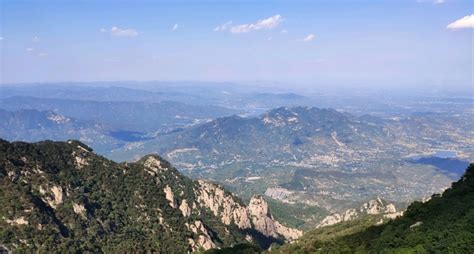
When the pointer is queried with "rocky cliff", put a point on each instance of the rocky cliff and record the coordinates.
(255, 216)
(373, 207)
(59, 196)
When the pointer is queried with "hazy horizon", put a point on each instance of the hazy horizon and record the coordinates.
(403, 44)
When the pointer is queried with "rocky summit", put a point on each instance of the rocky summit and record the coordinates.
(62, 197)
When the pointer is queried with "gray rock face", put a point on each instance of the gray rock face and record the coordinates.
(372, 207)
(255, 216)
(264, 222)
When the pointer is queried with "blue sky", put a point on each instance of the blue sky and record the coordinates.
(375, 43)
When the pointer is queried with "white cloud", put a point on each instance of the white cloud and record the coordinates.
(466, 22)
(121, 32)
(223, 27)
(43, 54)
(268, 23)
(35, 39)
(283, 31)
(175, 27)
(439, 1)
(310, 37)
(29, 49)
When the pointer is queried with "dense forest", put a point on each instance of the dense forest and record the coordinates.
(61, 197)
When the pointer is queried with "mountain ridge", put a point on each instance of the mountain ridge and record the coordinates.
(306, 152)
(60, 196)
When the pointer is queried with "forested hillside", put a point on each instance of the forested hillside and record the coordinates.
(61, 197)
(444, 224)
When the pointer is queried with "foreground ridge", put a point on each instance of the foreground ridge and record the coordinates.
(61, 196)
(443, 224)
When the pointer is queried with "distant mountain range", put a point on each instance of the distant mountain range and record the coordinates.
(61, 197)
(247, 98)
(122, 115)
(320, 156)
(33, 125)
(284, 134)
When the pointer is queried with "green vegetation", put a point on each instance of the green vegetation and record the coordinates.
(445, 224)
(60, 197)
(243, 248)
(295, 215)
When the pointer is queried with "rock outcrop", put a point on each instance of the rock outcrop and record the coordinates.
(255, 216)
(264, 222)
(53, 196)
(372, 207)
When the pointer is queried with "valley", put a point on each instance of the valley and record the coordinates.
(320, 157)
(317, 160)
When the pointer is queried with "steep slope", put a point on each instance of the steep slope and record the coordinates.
(61, 197)
(444, 224)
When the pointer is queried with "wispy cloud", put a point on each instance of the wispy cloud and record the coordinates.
(268, 23)
(283, 31)
(309, 37)
(29, 49)
(1, 38)
(120, 32)
(465, 22)
(42, 54)
(35, 39)
(223, 27)
(124, 32)
(432, 1)
(175, 27)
